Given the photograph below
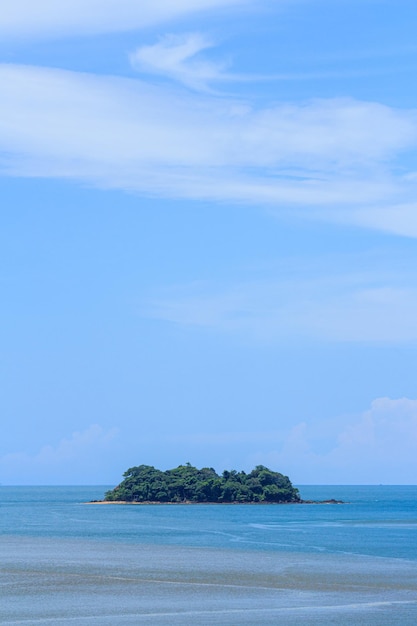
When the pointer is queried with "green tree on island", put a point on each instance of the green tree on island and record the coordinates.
(185, 483)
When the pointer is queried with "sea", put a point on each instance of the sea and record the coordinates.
(64, 561)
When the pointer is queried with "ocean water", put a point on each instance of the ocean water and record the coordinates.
(63, 561)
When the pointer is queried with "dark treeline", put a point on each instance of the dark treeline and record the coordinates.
(186, 483)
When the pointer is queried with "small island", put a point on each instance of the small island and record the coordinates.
(187, 484)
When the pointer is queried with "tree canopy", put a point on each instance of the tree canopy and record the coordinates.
(185, 483)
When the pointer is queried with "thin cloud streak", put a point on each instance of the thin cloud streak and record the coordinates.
(174, 56)
(370, 307)
(398, 219)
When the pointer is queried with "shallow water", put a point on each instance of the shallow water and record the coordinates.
(64, 562)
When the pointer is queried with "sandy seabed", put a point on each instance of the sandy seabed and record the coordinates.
(82, 582)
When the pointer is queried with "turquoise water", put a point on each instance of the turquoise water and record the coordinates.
(64, 561)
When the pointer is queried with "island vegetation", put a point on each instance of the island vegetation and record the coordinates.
(186, 483)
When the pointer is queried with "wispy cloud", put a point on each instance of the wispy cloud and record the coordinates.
(175, 56)
(48, 18)
(334, 159)
(378, 305)
(400, 219)
(178, 57)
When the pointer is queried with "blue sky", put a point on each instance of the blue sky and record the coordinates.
(207, 238)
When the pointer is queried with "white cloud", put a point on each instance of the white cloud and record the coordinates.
(377, 446)
(174, 56)
(178, 56)
(328, 158)
(78, 457)
(49, 18)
